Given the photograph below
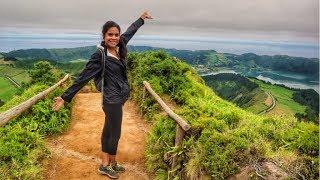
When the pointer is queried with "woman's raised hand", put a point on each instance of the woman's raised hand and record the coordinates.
(58, 103)
(146, 15)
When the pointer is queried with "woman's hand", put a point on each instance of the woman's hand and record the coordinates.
(58, 103)
(146, 15)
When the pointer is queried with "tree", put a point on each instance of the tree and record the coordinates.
(43, 72)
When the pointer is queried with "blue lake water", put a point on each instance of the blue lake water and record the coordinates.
(293, 80)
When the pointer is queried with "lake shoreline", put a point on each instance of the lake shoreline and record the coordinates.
(294, 81)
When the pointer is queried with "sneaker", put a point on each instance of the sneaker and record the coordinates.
(107, 170)
(118, 167)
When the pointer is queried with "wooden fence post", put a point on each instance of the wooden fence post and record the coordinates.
(143, 98)
(178, 140)
(181, 125)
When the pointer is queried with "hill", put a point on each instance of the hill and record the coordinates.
(224, 139)
(276, 62)
(259, 96)
(239, 90)
(203, 60)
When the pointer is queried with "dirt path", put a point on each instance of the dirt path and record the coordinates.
(76, 153)
(273, 102)
(270, 102)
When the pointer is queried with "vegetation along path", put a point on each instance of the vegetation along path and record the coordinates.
(75, 153)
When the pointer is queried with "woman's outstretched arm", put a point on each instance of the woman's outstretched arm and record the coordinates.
(132, 29)
(92, 68)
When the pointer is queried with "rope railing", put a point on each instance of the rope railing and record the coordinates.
(8, 115)
(181, 127)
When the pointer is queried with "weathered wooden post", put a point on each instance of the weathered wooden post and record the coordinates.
(143, 98)
(178, 140)
(181, 127)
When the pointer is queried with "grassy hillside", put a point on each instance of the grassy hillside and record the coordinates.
(18, 74)
(239, 90)
(223, 138)
(255, 95)
(63, 54)
(276, 62)
(286, 106)
(258, 102)
(7, 89)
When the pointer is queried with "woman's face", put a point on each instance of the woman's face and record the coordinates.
(112, 37)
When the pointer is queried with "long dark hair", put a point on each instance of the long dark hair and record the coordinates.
(122, 46)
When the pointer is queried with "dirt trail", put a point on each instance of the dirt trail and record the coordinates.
(270, 102)
(76, 153)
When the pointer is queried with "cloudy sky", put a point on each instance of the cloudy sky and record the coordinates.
(282, 21)
(285, 20)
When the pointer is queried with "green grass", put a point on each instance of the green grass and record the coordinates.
(7, 89)
(30, 92)
(18, 74)
(283, 97)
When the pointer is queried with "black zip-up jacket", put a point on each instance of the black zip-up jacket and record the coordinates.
(116, 86)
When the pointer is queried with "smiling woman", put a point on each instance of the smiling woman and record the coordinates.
(115, 88)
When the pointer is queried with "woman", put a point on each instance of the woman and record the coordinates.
(116, 88)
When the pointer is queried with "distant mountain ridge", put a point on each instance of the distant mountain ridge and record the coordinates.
(207, 58)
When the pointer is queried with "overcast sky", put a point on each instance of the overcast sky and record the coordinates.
(277, 20)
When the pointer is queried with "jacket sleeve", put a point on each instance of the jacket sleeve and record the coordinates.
(132, 29)
(92, 68)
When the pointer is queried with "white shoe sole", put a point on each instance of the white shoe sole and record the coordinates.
(104, 173)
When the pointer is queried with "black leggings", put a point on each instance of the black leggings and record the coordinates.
(112, 128)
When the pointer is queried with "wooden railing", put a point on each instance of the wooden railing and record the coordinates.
(181, 127)
(8, 115)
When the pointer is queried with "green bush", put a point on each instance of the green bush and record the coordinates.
(44, 72)
(42, 119)
(21, 152)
